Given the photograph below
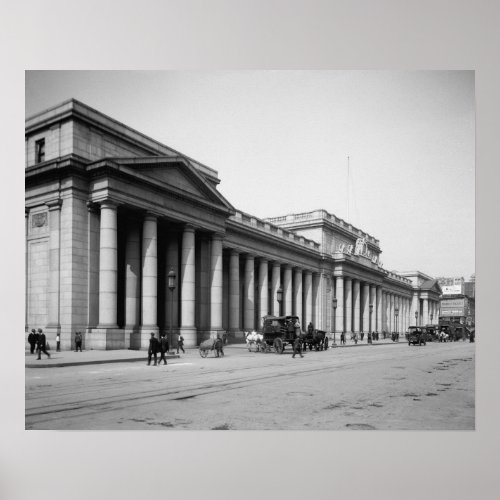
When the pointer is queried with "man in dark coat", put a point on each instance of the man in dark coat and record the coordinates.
(163, 349)
(78, 341)
(297, 346)
(42, 342)
(32, 341)
(153, 348)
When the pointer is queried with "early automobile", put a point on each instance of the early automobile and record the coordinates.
(417, 335)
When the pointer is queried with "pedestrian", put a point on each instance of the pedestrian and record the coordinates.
(180, 344)
(369, 338)
(342, 338)
(163, 348)
(78, 341)
(32, 341)
(374, 336)
(362, 336)
(297, 346)
(297, 327)
(58, 342)
(310, 328)
(42, 344)
(355, 338)
(153, 349)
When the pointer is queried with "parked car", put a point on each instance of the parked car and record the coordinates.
(417, 335)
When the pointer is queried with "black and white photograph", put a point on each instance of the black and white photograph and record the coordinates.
(272, 218)
(220, 248)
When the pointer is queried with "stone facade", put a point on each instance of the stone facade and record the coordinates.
(110, 212)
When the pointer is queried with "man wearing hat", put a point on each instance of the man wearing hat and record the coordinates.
(41, 344)
(32, 340)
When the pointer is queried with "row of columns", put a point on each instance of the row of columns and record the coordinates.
(297, 288)
(354, 299)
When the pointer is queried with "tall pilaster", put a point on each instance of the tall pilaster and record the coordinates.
(316, 284)
(356, 301)
(339, 320)
(263, 289)
(348, 304)
(216, 285)
(415, 309)
(249, 304)
(234, 291)
(287, 290)
(425, 312)
(93, 264)
(26, 305)
(54, 291)
(108, 266)
(188, 280)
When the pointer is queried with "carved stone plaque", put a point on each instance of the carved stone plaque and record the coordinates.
(39, 220)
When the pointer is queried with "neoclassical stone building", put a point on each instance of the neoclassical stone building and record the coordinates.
(111, 212)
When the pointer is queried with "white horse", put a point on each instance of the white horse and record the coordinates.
(254, 338)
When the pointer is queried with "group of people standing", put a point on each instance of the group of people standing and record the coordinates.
(161, 346)
(38, 341)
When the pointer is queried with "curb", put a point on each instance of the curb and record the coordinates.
(91, 362)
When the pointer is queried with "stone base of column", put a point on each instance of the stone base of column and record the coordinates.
(102, 339)
(190, 335)
(139, 339)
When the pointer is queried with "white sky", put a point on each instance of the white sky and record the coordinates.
(280, 140)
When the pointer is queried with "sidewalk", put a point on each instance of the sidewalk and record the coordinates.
(95, 357)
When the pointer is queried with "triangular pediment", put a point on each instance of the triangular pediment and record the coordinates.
(174, 174)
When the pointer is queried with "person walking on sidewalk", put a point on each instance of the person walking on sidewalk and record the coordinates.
(180, 344)
(32, 341)
(78, 341)
(153, 348)
(42, 343)
(163, 348)
(297, 346)
(58, 342)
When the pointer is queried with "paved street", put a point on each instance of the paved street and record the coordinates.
(388, 386)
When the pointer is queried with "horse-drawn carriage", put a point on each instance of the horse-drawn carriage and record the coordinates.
(278, 332)
(212, 345)
(315, 339)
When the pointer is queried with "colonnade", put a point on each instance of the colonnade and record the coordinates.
(362, 307)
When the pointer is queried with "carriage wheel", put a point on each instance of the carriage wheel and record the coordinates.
(203, 353)
(278, 346)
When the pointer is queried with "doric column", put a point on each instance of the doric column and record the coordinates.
(379, 308)
(275, 284)
(308, 295)
(414, 309)
(287, 290)
(365, 301)
(348, 304)
(172, 264)
(425, 311)
(391, 312)
(149, 273)
(234, 291)
(26, 232)
(263, 289)
(54, 265)
(298, 295)
(339, 320)
(373, 302)
(132, 276)
(93, 264)
(356, 301)
(108, 266)
(216, 284)
(316, 285)
(249, 304)
(188, 280)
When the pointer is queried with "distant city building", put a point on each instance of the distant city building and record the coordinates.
(451, 286)
(110, 213)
